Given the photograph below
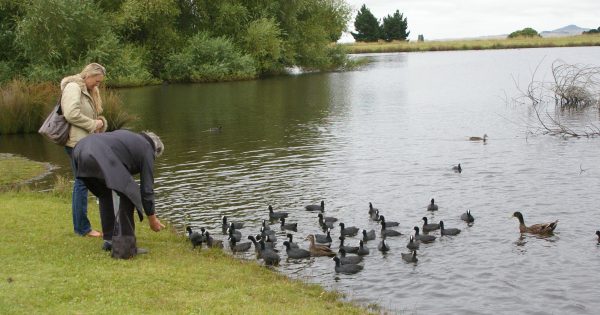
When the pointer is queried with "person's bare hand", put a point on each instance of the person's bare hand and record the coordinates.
(155, 224)
(99, 124)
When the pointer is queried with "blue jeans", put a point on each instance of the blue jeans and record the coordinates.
(81, 223)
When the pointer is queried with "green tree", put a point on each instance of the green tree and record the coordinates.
(395, 27)
(592, 31)
(152, 25)
(367, 26)
(10, 57)
(526, 32)
(263, 42)
(55, 33)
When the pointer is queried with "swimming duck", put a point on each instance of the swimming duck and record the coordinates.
(317, 249)
(327, 219)
(194, 237)
(347, 268)
(292, 244)
(238, 247)
(385, 232)
(256, 245)
(325, 224)
(288, 226)
(233, 233)
(375, 215)
(444, 231)
(432, 206)
(467, 217)
(348, 249)
(295, 253)
(541, 228)
(368, 236)
(484, 138)
(388, 223)
(216, 129)
(428, 227)
(410, 257)
(320, 238)
(423, 237)
(347, 231)
(457, 169)
(270, 257)
(371, 209)
(265, 225)
(276, 215)
(268, 240)
(348, 259)
(316, 207)
(211, 242)
(412, 244)
(383, 246)
(362, 250)
(237, 225)
(264, 233)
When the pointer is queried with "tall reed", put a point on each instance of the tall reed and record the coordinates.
(116, 117)
(23, 106)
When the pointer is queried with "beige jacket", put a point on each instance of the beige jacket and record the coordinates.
(79, 110)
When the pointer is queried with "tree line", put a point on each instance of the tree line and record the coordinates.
(142, 42)
(369, 29)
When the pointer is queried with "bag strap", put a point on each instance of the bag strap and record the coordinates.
(116, 207)
(58, 104)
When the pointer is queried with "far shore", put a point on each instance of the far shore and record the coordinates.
(471, 44)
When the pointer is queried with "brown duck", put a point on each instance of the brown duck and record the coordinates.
(541, 228)
(318, 249)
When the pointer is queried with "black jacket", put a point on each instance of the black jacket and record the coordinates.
(114, 157)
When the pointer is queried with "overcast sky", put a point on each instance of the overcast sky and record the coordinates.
(442, 19)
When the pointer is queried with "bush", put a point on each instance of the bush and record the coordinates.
(207, 59)
(526, 32)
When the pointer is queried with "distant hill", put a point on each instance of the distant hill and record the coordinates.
(568, 30)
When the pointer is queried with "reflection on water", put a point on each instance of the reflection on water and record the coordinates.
(389, 134)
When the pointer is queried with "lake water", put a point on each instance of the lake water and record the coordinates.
(389, 134)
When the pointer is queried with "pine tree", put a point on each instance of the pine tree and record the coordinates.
(366, 26)
(394, 27)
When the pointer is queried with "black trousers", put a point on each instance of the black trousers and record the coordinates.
(107, 213)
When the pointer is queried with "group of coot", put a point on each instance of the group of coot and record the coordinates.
(347, 258)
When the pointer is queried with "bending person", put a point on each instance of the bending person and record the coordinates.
(106, 162)
(82, 106)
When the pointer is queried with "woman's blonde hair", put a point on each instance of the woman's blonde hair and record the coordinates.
(89, 71)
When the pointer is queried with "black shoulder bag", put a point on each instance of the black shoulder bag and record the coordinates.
(123, 246)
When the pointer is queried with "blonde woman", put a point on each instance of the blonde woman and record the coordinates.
(81, 104)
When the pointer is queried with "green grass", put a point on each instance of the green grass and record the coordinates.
(16, 170)
(475, 44)
(47, 269)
